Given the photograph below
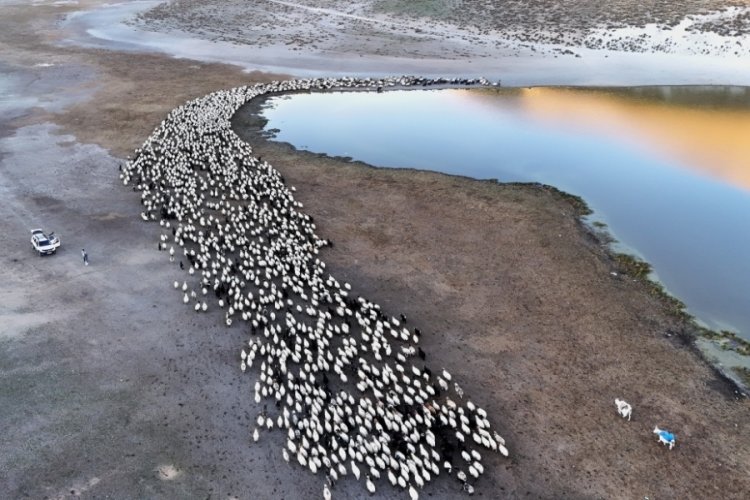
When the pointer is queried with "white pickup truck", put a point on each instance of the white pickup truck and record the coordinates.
(44, 244)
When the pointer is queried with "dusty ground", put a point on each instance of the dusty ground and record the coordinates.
(526, 308)
(110, 389)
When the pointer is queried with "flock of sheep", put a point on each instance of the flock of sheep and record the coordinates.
(345, 381)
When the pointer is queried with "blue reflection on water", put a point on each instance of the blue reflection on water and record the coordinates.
(693, 229)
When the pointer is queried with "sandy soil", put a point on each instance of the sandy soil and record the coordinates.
(109, 388)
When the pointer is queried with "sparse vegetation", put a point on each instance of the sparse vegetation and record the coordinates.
(632, 266)
(580, 207)
(744, 374)
(521, 25)
(728, 341)
(561, 19)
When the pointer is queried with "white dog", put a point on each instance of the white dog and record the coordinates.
(624, 409)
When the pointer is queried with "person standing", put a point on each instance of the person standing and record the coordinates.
(85, 257)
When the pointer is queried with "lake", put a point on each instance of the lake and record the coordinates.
(667, 169)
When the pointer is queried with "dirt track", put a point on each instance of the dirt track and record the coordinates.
(109, 388)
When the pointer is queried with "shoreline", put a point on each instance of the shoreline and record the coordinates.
(628, 264)
(129, 392)
(597, 67)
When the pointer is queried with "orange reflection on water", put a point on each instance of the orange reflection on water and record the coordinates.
(714, 140)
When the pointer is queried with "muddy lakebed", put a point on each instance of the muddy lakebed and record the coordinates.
(664, 170)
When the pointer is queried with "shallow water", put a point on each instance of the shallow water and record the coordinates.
(12, 100)
(666, 168)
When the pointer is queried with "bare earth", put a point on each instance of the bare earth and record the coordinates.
(451, 29)
(109, 388)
